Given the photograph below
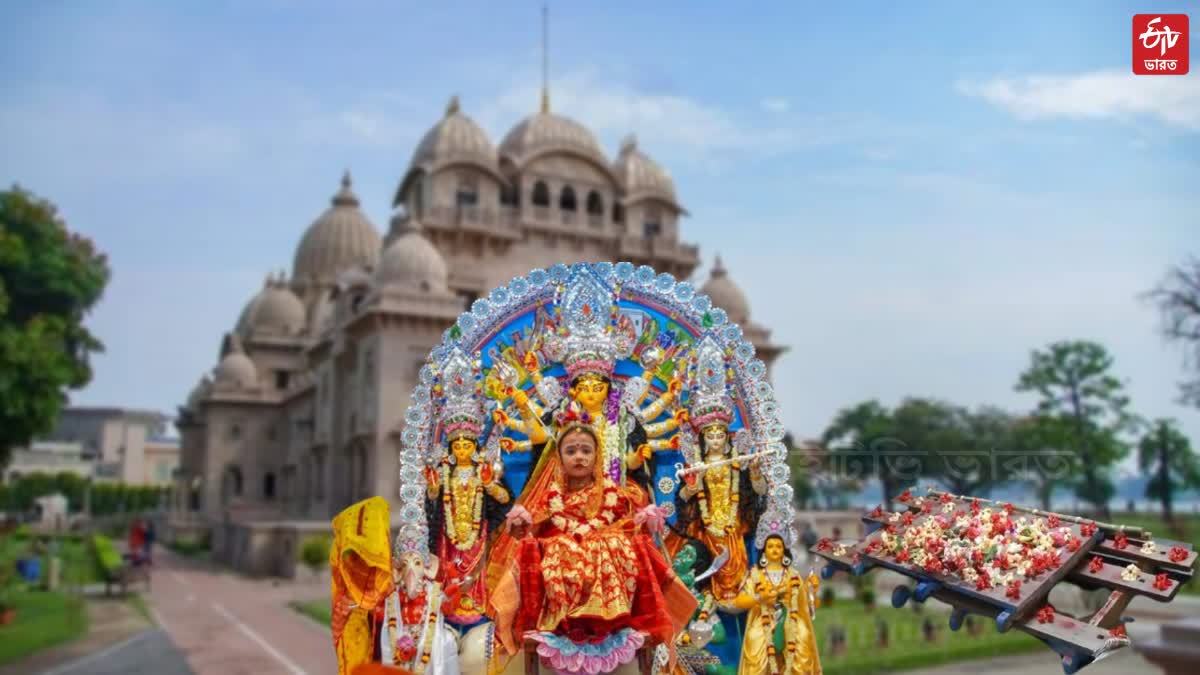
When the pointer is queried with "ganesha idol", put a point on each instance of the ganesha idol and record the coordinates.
(578, 442)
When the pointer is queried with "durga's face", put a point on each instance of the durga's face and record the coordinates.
(591, 391)
(463, 449)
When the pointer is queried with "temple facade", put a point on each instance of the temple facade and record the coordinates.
(302, 414)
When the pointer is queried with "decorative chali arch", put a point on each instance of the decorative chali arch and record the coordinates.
(508, 316)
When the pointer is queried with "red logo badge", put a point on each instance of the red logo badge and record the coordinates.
(1160, 44)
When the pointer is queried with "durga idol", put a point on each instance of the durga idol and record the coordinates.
(587, 584)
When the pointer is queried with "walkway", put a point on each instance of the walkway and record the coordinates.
(225, 624)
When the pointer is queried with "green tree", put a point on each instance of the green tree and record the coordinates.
(1165, 454)
(49, 279)
(1083, 409)
(862, 443)
(1177, 297)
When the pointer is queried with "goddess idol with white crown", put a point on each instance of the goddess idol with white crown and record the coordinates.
(605, 397)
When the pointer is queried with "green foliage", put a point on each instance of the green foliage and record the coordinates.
(43, 620)
(109, 559)
(314, 552)
(1082, 409)
(1177, 298)
(106, 499)
(49, 280)
(1166, 455)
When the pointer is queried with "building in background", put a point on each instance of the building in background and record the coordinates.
(49, 457)
(123, 445)
(302, 414)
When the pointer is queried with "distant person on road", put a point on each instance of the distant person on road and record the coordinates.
(148, 546)
(810, 540)
(137, 538)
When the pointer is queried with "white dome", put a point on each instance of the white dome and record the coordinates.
(726, 294)
(547, 131)
(275, 309)
(411, 260)
(456, 138)
(341, 237)
(236, 368)
(641, 176)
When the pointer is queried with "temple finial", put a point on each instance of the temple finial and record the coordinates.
(545, 58)
(452, 107)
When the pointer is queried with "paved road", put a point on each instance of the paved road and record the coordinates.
(150, 652)
(224, 624)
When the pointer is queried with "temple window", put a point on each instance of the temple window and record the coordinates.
(468, 192)
(595, 208)
(269, 486)
(281, 379)
(618, 213)
(566, 200)
(652, 226)
(541, 194)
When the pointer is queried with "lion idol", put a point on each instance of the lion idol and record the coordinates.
(593, 480)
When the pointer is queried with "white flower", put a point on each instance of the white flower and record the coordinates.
(1149, 547)
(1024, 567)
(919, 501)
(1131, 573)
(920, 557)
(948, 508)
(895, 517)
(556, 504)
(1014, 548)
(1002, 578)
(963, 522)
(1046, 542)
(839, 551)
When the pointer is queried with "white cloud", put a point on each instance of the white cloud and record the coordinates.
(775, 105)
(1105, 94)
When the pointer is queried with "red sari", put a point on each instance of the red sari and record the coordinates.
(587, 572)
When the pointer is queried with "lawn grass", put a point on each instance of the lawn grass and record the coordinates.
(43, 620)
(907, 647)
(317, 610)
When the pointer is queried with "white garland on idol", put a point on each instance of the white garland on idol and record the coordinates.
(639, 284)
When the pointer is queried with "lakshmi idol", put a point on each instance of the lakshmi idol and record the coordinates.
(718, 502)
(467, 494)
(587, 583)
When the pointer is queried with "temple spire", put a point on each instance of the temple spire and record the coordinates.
(545, 58)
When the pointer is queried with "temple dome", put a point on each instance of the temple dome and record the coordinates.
(455, 138)
(726, 294)
(411, 260)
(236, 368)
(340, 238)
(641, 176)
(275, 309)
(545, 132)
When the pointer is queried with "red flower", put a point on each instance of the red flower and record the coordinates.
(825, 544)
(927, 507)
(1008, 508)
(975, 507)
(902, 556)
(907, 519)
(1162, 582)
(1058, 538)
(1118, 632)
(1120, 542)
(977, 557)
(1073, 544)
(1096, 564)
(889, 528)
(873, 547)
(945, 498)
(1053, 521)
(1046, 614)
(904, 496)
(878, 512)
(1178, 554)
(1087, 528)
(933, 565)
(984, 582)
(1014, 590)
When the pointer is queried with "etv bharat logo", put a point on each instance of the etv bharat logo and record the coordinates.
(1160, 44)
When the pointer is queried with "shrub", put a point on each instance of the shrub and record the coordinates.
(314, 552)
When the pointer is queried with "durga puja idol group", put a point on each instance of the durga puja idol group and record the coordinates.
(594, 491)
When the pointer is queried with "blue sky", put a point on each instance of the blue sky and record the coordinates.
(914, 197)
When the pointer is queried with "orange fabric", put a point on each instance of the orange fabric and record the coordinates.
(380, 669)
(727, 582)
(360, 567)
